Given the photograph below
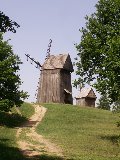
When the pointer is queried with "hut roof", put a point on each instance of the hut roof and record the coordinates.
(61, 61)
(86, 92)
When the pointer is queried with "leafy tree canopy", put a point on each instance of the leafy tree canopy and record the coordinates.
(98, 61)
(9, 78)
(9, 66)
(6, 24)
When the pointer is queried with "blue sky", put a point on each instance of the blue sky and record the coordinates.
(39, 21)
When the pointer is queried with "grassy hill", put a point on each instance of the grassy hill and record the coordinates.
(82, 133)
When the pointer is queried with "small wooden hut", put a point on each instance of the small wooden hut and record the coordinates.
(55, 80)
(86, 97)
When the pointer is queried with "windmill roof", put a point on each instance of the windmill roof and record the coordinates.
(58, 61)
(86, 92)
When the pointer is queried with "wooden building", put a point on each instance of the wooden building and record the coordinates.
(55, 80)
(86, 97)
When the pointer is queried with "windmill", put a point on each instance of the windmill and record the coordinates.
(55, 78)
(37, 63)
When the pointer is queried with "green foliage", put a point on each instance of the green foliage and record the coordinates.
(9, 66)
(104, 103)
(9, 78)
(99, 50)
(83, 133)
(6, 24)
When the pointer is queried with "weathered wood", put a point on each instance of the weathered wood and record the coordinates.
(55, 80)
(86, 97)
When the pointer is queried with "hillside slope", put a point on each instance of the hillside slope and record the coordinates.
(82, 133)
(9, 123)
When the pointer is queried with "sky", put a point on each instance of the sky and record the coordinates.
(41, 20)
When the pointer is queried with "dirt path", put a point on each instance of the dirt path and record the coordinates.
(31, 143)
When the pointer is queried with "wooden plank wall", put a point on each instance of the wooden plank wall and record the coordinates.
(52, 84)
(49, 88)
(90, 102)
(81, 102)
(65, 83)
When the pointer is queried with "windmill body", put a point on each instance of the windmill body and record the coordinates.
(55, 80)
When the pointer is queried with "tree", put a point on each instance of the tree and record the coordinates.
(98, 60)
(9, 66)
(6, 24)
(9, 79)
(104, 103)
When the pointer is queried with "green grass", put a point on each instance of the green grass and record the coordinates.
(82, 133)
(9, 122)
(8, 126)
(26, 110)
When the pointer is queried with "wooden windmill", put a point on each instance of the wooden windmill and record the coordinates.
(55, 79)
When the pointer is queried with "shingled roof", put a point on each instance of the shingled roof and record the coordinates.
(61, 61)
(86, 92)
